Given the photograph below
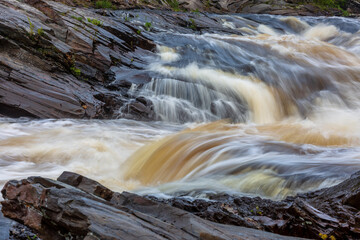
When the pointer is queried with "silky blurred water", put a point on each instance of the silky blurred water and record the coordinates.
(272, 112)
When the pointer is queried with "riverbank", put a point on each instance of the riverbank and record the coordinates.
(78, 207)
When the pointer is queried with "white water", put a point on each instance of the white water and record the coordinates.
(290, 95)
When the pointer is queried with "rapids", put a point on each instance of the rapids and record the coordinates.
(272, 112)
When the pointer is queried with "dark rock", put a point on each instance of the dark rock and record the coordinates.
(332, 211)
(77, 208)
(59, 73)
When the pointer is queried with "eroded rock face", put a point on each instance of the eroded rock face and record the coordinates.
(58, 61)
(54, 63)
(332, 211)
(84, 209)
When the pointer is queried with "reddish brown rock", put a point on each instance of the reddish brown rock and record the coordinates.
(84, 209)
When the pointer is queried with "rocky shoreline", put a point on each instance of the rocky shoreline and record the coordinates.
(77, 207)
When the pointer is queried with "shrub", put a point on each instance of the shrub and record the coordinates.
(103, 4)
(174, 4)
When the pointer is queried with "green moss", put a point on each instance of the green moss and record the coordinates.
(95, 22)
(80, 19)
(75, 71)
(103, 4)
(326, 4)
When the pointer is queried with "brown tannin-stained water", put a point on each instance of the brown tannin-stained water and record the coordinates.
(272, 112)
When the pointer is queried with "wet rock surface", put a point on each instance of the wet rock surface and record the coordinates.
(84, 209)
(79, 208)
(55, 63)
(332, 211)
(59, 60)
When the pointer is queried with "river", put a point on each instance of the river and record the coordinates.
(272, 112)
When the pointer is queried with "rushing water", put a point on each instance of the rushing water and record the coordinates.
(272, 112)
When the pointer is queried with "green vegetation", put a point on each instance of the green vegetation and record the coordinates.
(207, 4)
(325, 236)
(75, 71)
(174, 4)
(338, 4)
(147, 26)
(346, 13)
(192, 24)
(95, 22)
(103, 4)
(138, 31)
(80, 19)
(256, 211)
(32, 238)
(330, 3)
(31, 25)
(40, 31)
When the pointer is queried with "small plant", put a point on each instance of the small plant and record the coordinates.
(103, 4)
(31, 25)
(207, 4)
(80, 19)
(192, 24)
(75, 71)
(32, 238)
(147, 26)
(174, 4)
(95, 22)
(40, 31)
(138, 31)
(325, 236)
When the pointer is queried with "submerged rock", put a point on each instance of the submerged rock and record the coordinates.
(80, 208)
